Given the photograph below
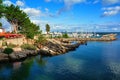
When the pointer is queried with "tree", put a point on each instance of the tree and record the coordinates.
(1, 9)
(20, 21)
(29, 29)
(47, 28)
(15, 17)
(65, 35)
(0, 25)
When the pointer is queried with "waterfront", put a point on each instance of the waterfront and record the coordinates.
(94, 61)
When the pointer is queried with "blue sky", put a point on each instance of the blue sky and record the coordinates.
(72, 15)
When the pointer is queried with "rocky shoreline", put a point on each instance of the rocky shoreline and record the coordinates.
(51, 48)
(54, 47)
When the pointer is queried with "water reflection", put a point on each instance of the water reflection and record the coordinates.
(96, 61)
(16, 65)
(24, 71)
(41, 61)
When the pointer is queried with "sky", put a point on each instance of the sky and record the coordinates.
(71, 15)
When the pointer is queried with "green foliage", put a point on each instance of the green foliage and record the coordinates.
(41, 39)
(28, 47)
(58, 37)
(29, 29)
(1, 9)
(65, 35)
(15, 16)
(4, 43)
(11, 45)
(8, 51)
(20, 21)
(47, 28)
(0, 25)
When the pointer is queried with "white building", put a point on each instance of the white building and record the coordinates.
(2, 30)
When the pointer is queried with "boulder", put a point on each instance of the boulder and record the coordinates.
(55, 47)
(17, 56)
(3, 57)
(17, 49)
(44, 52)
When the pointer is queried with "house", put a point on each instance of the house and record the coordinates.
(2, 30)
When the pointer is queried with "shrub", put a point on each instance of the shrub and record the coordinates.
(4, 43)
(28, 47)
(8, 51)
(41, 39)
(65, 35)
(11, 45)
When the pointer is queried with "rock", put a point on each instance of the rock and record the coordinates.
(3, 57)
(51, 48)
(17, 49)
(55, 47)
(44, 52)
(17, 56)
(13, 56)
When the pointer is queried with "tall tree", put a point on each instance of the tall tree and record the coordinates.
(47, 28)
(20, 21)
(15, 17)
(0, 25)
(1, 9)
(29, 29)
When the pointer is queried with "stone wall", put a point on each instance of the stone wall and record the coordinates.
(16, 41)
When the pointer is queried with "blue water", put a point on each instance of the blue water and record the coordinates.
(94, 61)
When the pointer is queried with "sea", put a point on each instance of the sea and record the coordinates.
(94, 61)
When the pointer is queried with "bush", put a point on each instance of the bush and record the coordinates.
(4, 43)
(8, 51)
(28, 47)
(65, 35)
(41, 39)
(11, 45)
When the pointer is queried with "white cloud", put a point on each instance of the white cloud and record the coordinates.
(115, 29)
(41, 23)
(68, 5)
(109, 2)
(5, 24)
(72, 2)
(110, 11)
(32, 12)
(7, 2)
(19, 3)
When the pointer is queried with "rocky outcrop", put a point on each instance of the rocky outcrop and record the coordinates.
(3, 57)
(22, 54)
(53, 47)
(18, 55)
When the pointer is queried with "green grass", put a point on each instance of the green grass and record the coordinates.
(28, 47)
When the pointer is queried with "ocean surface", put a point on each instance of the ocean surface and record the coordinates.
(94, 61)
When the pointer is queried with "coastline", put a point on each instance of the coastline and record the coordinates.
(52, 47)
